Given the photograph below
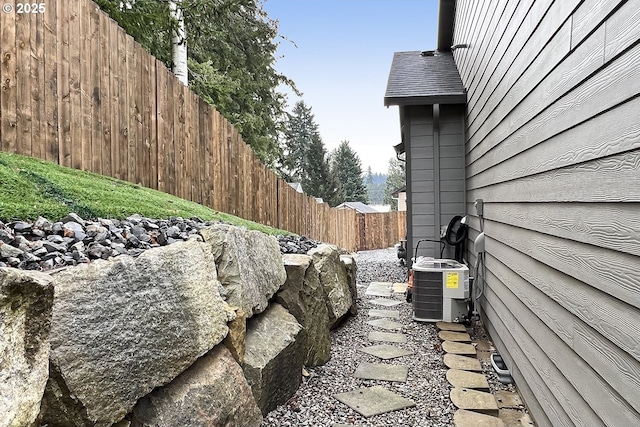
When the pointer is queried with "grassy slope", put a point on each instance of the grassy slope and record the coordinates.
(30, 188)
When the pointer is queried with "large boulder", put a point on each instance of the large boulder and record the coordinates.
(334, 279)
(351, 268)
(124, 326)
(26, 300)
(273, 357)
(235, 340)
(303, 295)
(212, 392)
(249, 265)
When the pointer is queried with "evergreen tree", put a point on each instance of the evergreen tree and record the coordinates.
(347, 169)
(375, 185)
(300, 130)
(396, 178)
(318, 180)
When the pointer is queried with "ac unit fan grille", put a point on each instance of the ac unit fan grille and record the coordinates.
(427, 294)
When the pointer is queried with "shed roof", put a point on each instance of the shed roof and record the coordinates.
(417, 78)
(357, 206)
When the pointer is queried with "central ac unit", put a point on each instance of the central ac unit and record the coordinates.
(440, 290)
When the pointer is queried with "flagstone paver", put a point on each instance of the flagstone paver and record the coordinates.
(484, 349)
(474, 400)
(449, 326)
(513, 418)
(387, 337)
(455, 361)
(385, 324)
(458, 348)
(377, 293)
(374, 400)
(454, 336)
(381, 372)
(464, 418)
(465, 379)
(384, 313)
(508, 399)
(386, 302)
(400, 288)
(386, 351)
(379, 289)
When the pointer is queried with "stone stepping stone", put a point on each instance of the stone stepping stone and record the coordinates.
(454, 336)
(509, 400)
(381, 372)
(464, 379)
(449, 326)
(382, 289)
(385, 351)
(483, 345)
(484, 349)
(387, 337)
(385, 324)
(387, 285)
(374, 401)
(464, 418)
(375, 293)
(384, 313)
(512, 418)
(458, 348)
(474, 400)
(386, 302)
(400, 288)
(454, 361)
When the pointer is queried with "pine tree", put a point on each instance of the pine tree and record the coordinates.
(318, 180)
(300, 130)
(347, 169)
(396, 178)
(375, 185)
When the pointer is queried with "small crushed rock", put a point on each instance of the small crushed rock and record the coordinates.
(45, 245)
(296, 244)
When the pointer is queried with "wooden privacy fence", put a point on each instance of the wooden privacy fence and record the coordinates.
(78, 91)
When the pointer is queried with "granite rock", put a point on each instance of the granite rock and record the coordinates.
(125, 326)
(249, 265)
(26, 301)
(212, 392)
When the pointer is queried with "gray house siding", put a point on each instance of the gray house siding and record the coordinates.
(553, 149)
(419, 140)
(435, 168)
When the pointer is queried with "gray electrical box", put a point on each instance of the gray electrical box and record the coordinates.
(479, 204)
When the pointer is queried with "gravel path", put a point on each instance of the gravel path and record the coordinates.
(313, 404)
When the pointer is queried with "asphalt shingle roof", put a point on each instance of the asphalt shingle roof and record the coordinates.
(417, 79)
(357, 206)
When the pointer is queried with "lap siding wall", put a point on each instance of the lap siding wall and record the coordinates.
(553, 149)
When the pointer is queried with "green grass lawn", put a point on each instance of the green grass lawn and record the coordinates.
(31, 187)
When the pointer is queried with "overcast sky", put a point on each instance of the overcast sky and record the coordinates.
(342, 61)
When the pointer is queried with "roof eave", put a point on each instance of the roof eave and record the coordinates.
(457, 98)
